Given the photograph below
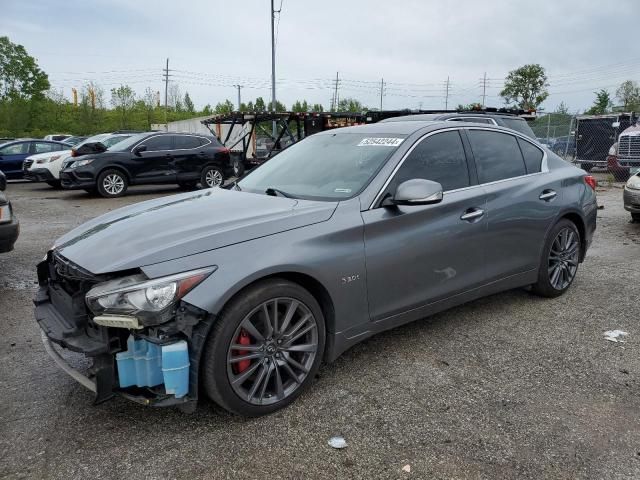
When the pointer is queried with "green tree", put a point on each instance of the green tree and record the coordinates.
(20, 75)
(188, 103)
(260, 105)
(602, 103)
(562, 109)
(470, 106)
(123, 99)
(350, 105)
(280, 107)
(207, 110)
(224, 108)
(300, 107)
(629, 94)
(317, 108)
(526, 87)
(250, 107)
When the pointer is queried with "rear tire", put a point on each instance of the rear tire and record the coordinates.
(560, 259)
(211, 177)
(635, 217)
(280, 365)
(112, 183)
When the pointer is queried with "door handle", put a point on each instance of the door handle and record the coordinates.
(548, 195)
(471, 214)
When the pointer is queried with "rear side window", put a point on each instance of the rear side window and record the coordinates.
(161, 142)
(42, 147)
(186, 142)
(497, 155)
(440, 158)
(532, 156)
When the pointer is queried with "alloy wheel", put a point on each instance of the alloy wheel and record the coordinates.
(272, 351)
(113, 184)
(563, 258)
(213, 178)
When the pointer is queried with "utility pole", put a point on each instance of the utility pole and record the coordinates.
(484, 89)
(273, 70)
(446, 98)
(381, 92)
(334, 100)
(238, 87)
(166, 95)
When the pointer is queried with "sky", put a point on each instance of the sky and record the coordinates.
(212, 45)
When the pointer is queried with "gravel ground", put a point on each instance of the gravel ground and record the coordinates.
(511, 386)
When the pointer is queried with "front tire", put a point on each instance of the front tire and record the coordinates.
(264, 349)
(54, 183)
(560, 259)
(635, 217)
(211, 177)
(112, 183)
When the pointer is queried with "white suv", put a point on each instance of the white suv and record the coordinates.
(45, 167)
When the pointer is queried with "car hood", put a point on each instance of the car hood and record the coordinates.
(181, 225)
(632, 131)
(39, 156)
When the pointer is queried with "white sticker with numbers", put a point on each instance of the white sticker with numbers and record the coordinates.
(380, 142)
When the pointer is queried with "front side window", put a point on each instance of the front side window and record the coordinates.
(532, 156)
(440, 158)
(328, 167)
(497, 155)
(161, 142)
(15, 149)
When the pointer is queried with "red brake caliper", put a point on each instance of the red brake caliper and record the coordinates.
(243, 339)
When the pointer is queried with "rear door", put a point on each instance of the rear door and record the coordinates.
(11, 158)
(155, 164)
(522, 199)
(416, 255)
(189, 156)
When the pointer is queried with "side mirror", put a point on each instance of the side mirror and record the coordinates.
(615, 124)
(3, 182)
(415, 192)
(139, 149)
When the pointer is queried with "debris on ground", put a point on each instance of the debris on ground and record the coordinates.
(407, 468)
(600, 207)
(615, 336)
(337, 442)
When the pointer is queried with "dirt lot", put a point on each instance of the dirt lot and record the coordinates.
(511, 386)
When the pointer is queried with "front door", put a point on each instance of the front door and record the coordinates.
(156, 163)
(11, 158)
(417, 255)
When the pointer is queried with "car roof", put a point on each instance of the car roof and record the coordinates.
(445, 116)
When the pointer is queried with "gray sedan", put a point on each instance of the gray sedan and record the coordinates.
(241, 293)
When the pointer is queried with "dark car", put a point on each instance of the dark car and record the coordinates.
(241, 292)
(507, 120)
(150, 158)
(12, 154)
(9, 227)
(564, 146)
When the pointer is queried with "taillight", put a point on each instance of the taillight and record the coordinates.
(591, 181)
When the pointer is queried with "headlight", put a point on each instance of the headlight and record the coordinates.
(5, 213)
(634, 182)
(151, 301)
(614, 149)
(80, 163)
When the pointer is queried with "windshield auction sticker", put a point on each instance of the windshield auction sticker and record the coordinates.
(380, 142)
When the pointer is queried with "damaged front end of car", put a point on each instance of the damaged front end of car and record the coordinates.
(144, 341)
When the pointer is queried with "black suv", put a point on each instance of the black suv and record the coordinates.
(150, 158)
(508, 120)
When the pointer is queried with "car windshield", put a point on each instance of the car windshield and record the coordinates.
(95, 138)
(114, 140)
(327, 167)
(519, 125)
(128, 143)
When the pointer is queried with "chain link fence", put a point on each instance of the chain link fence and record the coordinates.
(604, 143)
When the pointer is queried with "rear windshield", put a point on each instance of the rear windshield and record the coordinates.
(519, 125)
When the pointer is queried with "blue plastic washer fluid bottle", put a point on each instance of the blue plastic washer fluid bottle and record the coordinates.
(175, 368)
(140, 365)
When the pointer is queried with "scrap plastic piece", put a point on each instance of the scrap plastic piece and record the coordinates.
(615, 336)
(337, 442)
